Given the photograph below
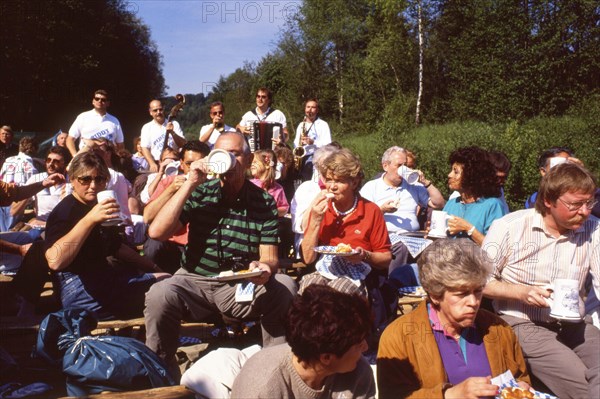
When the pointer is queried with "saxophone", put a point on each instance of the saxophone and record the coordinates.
(300, 152)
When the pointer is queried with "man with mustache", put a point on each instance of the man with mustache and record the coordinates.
(153, 135)
(532, 248)
(47, 199)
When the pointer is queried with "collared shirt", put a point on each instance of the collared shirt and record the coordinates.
(153, 137)
(47, 198)
(18, 169)
(410, 195)
(523, 252)
(219, 230)
(92, 125)
(364, 227)
(215, 133)
(318, 131)
(462, 358)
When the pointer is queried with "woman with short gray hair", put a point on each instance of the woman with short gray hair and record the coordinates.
(448, 347)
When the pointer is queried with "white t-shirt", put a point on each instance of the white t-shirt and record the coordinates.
(153, 137)
(318, 131)
(48, 198)
(18, 169)
(215, 134)
(92, 125)
(274, 116)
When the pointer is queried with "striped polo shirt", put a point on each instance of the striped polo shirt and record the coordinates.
(237, 227)
(523, 252)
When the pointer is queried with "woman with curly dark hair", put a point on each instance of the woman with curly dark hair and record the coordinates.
(326, 333)
(473, 211)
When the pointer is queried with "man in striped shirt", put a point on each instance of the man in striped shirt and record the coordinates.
(229, 218)
(532, 248)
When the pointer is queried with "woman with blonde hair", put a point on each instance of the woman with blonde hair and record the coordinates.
(263, 169)
(339, 215)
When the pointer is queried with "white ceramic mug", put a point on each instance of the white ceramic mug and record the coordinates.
(557, 161)
(172, 168)
(117, 217)
(411, 176)
(439, 224)
(565, 302)
(220, 161)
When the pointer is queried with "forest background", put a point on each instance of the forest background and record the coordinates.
(518, 76)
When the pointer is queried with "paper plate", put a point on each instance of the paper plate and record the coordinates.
(331, 250)
(239, 276)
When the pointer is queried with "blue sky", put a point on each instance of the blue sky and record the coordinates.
(200, 40)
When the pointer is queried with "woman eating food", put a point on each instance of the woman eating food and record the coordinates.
(448, 347)
(339, 215)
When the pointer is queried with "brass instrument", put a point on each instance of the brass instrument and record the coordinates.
(219, 126)
(300, 152)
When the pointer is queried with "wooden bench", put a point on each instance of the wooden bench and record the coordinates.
(175, 392)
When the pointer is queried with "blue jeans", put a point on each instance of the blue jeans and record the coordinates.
(11, 262)
(106, 293)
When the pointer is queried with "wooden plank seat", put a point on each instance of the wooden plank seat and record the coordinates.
(174, 392)
(28, 325)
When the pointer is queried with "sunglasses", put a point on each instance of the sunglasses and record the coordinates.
(217, 113)
(87, 180)
(101, 99)
(52, 160)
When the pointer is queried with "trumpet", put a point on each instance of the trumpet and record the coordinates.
(300, 152)
(219, 126)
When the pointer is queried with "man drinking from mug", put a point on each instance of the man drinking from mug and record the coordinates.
(232, 223)
(530, 250)
(399, 200)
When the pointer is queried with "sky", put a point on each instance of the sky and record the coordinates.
(201, 40)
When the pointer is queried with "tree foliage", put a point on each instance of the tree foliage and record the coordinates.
(55, 54)
(485, 60)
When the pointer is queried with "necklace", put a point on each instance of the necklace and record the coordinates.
(349, 211)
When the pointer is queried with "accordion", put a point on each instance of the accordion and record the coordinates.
(262, 133)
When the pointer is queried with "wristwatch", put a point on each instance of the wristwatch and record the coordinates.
(470, 231)
(445, 387)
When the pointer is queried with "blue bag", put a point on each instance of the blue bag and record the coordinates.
(96, 364)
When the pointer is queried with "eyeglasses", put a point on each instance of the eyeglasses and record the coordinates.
(217, 113)
(87, 180)
(101, 99)
(157, 110)
(575, 206)
(53, 160)
(261, 96)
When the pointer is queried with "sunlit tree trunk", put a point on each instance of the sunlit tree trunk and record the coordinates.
(421, 47)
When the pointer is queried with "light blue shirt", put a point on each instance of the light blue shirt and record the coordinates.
(480, 213)
(410, 195)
